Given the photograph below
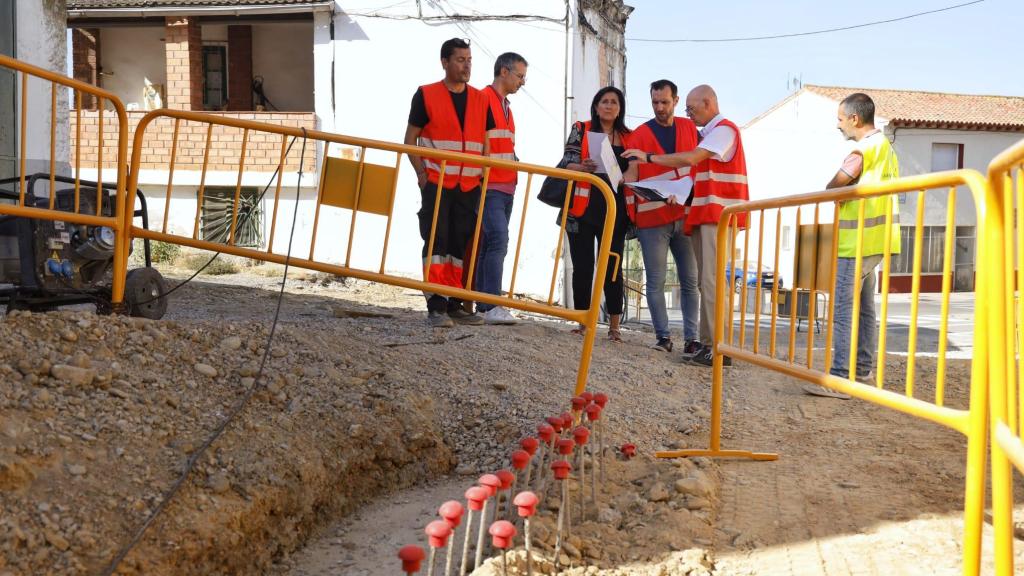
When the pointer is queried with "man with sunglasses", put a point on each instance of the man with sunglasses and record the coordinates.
(509, 77)
(453, 116)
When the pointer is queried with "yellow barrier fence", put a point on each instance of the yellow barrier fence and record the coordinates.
(363, 188)
(1006, 370)
(733, 338)
(28, 205)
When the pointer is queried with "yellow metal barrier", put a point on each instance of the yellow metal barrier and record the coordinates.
(969, 420)
(122, 213)
(1005, 226)
(364, 187)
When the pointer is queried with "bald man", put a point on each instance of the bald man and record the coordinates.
(720, 181)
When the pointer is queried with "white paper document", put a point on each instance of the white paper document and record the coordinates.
(601, 152)
(661, 190)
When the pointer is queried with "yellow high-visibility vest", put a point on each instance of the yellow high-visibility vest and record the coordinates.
(880, 164)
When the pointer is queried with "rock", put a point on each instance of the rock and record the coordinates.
(465, 469)
(76, 470)
(218, 483)
(610, 517)
(56, 540)
(72, 374)
(539, 532)
(697, 503)
(69, 335)
(658, 493)
(231, 343)
(694, 562)
(697, 485)
(571, 550)
(206, 369)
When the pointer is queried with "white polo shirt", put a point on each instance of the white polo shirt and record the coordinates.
(719, 140)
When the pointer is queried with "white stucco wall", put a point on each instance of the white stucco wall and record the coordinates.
(379, 63)
(41, 40)
(128, 57)
(914, 147)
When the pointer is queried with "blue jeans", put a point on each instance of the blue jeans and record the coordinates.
(655, 243)
(867, 331)
(493, 244)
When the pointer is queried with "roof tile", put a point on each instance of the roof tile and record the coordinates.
(937, 109)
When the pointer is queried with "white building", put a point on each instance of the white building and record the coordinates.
(349, 67)
(34, 33)
(795, 147)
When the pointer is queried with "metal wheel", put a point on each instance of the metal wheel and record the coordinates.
(143, 293)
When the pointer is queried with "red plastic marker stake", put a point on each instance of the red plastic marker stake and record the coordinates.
(502, 532)
(508, 483)
(593, 412)
(452, 512)
(578, 404)
(628, 450)
(561, 468)
(566, 421)
(588, 396)
(546, 433)
(526, 505)
(601, 399)
(580, 434)
(529, 445)
(411, 556)
(438, 532)
(491, 483)
(475, 498)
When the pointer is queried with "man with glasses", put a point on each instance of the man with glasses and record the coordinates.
(453, 116)
(720, 181)
(509, 77)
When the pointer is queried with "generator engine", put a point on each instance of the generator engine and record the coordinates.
(53, 255)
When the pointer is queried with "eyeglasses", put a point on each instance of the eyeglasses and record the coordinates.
(522, 77)
(690, 110)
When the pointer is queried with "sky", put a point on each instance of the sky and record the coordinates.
(968, 50)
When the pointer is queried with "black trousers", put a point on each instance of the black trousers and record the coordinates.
(456, 222)
(583, 251)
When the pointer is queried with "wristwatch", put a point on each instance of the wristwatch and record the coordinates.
(648, 158)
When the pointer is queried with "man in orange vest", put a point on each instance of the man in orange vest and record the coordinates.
(660, 224)
(453, 116)
(509, 77)
(720, 180)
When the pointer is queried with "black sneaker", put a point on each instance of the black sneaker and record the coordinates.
(460, 316)
(663, 344)
(438, 320)
(706, 357)
(692, 347)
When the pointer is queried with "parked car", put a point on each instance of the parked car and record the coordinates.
(737, 278)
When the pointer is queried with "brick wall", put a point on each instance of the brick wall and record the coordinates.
(240, 66)
(85, 52)
(263, 149)
(184, 57)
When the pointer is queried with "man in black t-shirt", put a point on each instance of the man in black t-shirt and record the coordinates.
(448, 115)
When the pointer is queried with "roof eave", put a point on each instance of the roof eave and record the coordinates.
(155, 12)
(956, 125)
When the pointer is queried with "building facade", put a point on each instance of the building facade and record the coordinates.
(343, 67)
(795, 147)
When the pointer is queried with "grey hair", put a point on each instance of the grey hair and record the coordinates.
(507, 61)
(860, 104)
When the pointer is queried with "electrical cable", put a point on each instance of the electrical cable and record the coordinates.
(193, 458)
(811, 33)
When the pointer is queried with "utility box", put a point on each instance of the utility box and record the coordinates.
(784, 304)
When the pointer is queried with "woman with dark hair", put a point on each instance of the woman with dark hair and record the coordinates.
(585, 223)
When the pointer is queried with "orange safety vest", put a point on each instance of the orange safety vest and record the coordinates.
(581, 191)
(502, 139)
(719, 184)
(444, 132)
(651, 213)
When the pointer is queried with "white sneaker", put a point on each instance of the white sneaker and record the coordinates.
(499, 316)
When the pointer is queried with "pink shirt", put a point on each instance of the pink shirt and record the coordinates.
(854, 163)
